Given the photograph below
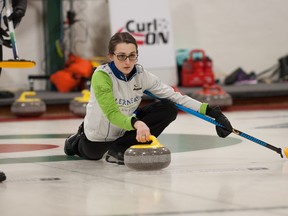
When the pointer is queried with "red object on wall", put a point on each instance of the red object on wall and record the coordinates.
(197, 71)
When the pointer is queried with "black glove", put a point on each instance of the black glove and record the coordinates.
(16, 16)
(4, 42)
(216, 113)
(18, 11)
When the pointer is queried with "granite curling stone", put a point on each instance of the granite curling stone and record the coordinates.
(152, 156)
(78, 105)
(214, 95)
(28, 107)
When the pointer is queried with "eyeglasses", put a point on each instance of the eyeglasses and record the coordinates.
(123, 57)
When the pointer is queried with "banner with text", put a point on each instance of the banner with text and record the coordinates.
(150, 23)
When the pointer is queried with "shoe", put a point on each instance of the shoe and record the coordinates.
(240, 77)
(234, 76)
(115, 157)
(246, 79)
(72, 140)
(68, 147)
(2, 176)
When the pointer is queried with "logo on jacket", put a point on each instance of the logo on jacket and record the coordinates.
(127, 102)
(136, 88)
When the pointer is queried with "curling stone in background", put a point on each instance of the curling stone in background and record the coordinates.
(78, 105)
(214, 95)
(152, 156)
(28, 107)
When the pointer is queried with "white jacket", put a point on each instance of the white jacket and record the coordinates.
(128, 94)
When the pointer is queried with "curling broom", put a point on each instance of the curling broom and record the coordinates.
(235, 131)
(16, 62)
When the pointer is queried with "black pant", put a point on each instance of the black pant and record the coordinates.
(157, 116)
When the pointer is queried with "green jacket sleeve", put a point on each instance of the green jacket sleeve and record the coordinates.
(103, 90)
(203, 108)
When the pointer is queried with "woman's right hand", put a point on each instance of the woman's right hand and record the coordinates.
(143, 131)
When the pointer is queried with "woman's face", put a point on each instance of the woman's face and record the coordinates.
(124, 57)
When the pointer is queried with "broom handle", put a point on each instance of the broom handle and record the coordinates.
(212, 121)
(11, 30)
(235, 131)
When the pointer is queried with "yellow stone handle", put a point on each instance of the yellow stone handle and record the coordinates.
(85, 96)
(155, 143)
(24, 94)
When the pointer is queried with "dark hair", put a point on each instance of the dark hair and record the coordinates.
(121, 37)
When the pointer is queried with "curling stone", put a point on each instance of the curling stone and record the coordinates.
(214, 95)
(152, 156)
(285, 152)
(28, 107)
(78, 105)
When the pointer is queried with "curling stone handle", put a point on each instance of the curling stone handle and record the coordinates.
(155, 142)
(23, 96)
(85, 96)
(210, 88)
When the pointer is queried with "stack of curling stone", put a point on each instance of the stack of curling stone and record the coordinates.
(78, 105)
(28, 107)
(152, 156)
